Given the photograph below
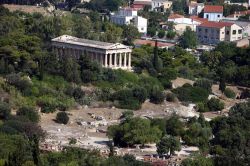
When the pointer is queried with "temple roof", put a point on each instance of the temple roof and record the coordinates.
(88, 43)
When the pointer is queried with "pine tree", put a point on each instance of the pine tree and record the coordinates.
(156, 58)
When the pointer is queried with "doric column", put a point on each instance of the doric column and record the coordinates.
(120, 60)
(125, 60)
(115, 59)
(106, 60)
(110, 60)
(129, 59)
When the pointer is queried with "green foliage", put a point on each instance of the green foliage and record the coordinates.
(230, 143)
(189, 93)
(215, 104)
(126, 99)
(4, 110)
(202, 107)
(156, 96)
(229, 93)
(188, 39)
(62, 117)
(170, 97)
(29, 112)
(161, 34)
(198, 133)
(130, 33)
(171, 34)
(168, 144)
(197, 161)
(72, 156)
(134, 131)
(174, 126)
(127, 115)
(204, 83)
(231, 9)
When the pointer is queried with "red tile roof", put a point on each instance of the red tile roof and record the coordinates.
(173, 16)
(213, 9)
(213, 24)
(137, 6)
(239, 13)
(196, 18)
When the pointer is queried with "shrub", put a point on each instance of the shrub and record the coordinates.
(4, 110)
(215, 104)
(170, 97)
(140, 94)
(156, 95)
(187, 93)
(126, 99)
(29, 112)
(205, 84)
(62, 117)
(72, 141)
(229, 93)
(202, 107)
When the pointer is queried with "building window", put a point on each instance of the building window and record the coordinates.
(199, 29)
(234, 32)
(218, 16)
(218, 32)
(227, 33)
(207, 16)
(239, 31)
(206, 30)
(222, 32)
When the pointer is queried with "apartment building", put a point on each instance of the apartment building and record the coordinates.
(213, 12)
(161, 5)
(214, 32)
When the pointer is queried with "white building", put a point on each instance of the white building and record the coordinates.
(161, 5)
(195, 8)
(211, 32)
(126, 16)
(245, 4)
(109, 55)
(181, 24)
(213, 13)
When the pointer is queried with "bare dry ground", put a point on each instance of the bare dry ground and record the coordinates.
(26, 8)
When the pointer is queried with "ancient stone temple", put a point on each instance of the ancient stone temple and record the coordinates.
(110, 55)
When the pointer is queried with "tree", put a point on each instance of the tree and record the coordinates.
(230, 144)
(30, 113)
(204, 83)
(71, 70)
(161, 33)
(188, 39)
(222, 85)
(156, 59)
(215, 104)
(134, 131)
(62, 117)
(130, 33)
(171, 34)
(168, 144)
(174, 126)
(4, 110)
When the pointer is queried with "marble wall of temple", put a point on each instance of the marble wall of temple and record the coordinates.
(109, 55)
